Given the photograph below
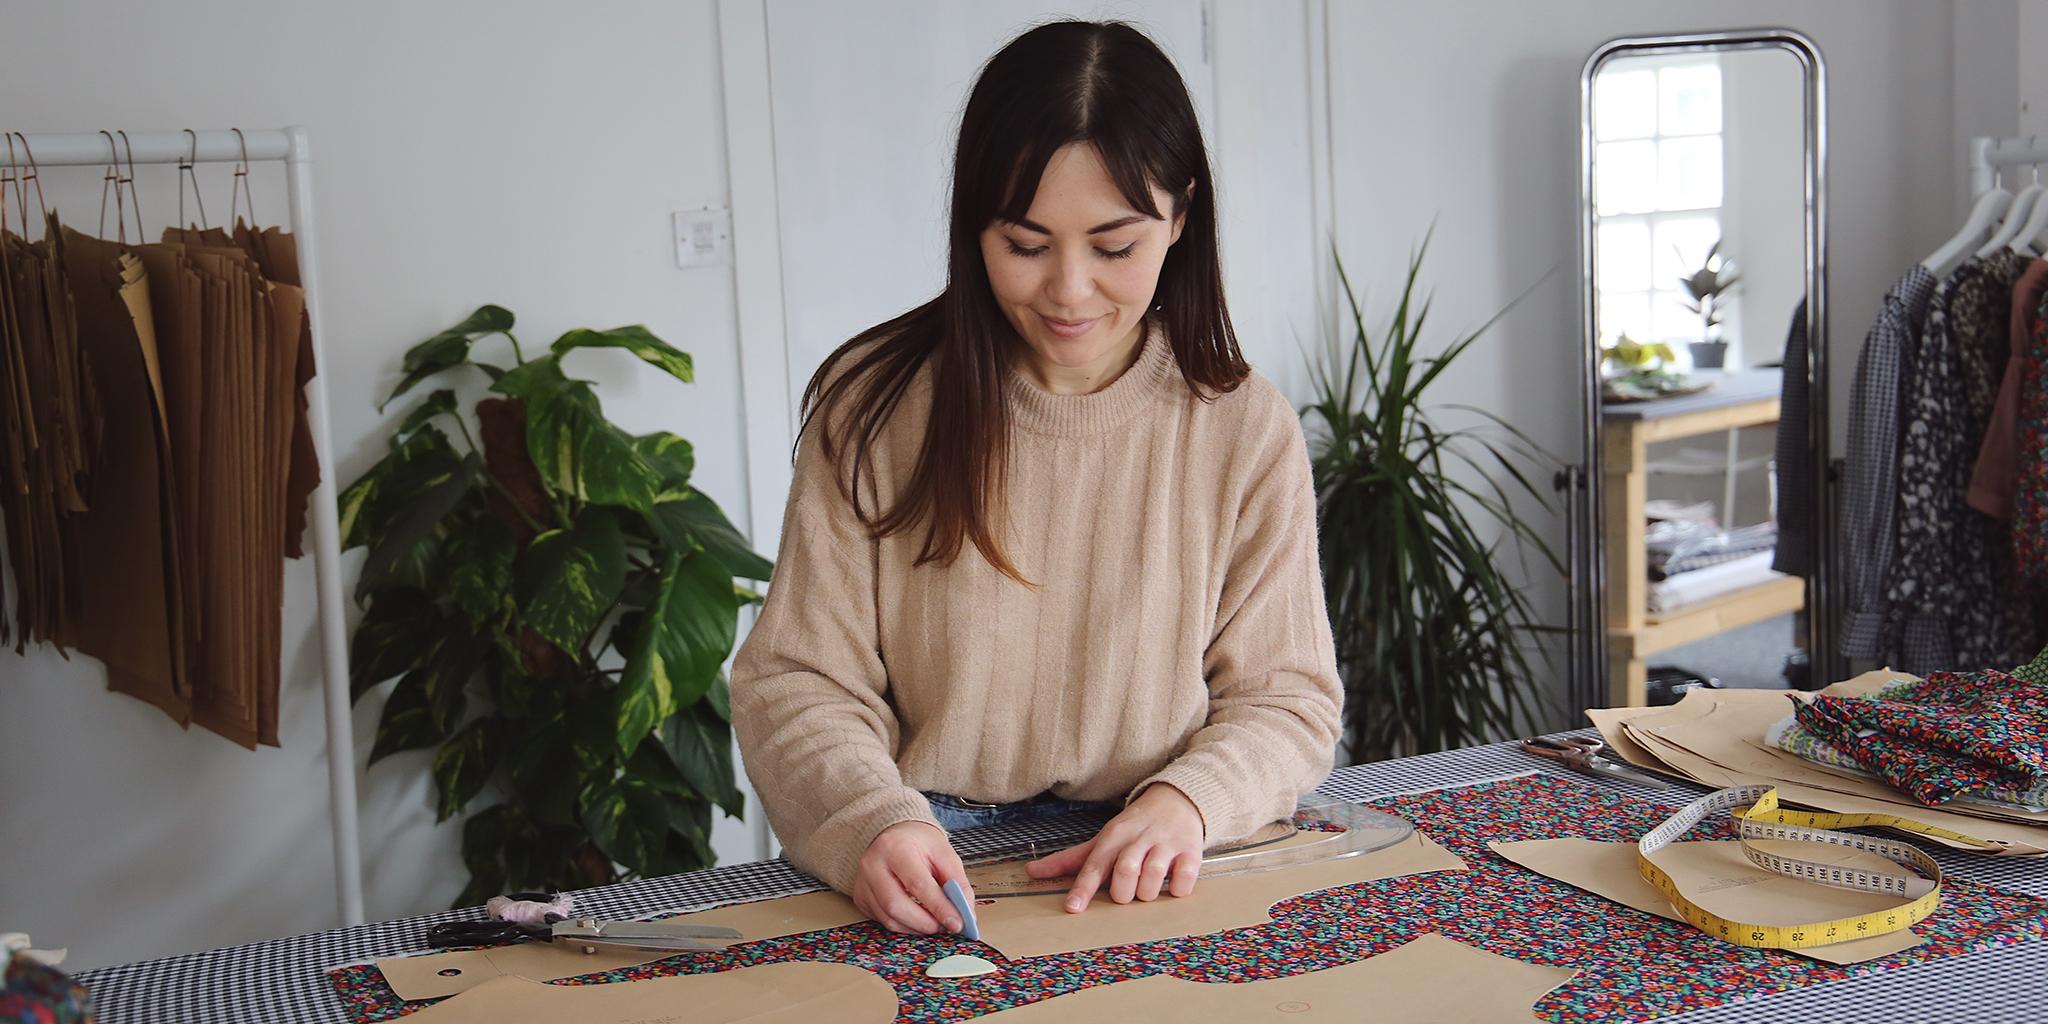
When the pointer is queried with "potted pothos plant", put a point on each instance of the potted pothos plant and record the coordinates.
(555, 601)
(1416, 521)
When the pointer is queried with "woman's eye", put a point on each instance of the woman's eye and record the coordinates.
(1039, 250)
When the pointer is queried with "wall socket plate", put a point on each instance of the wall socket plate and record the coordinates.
(703, 237)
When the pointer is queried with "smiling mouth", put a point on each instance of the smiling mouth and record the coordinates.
(1069, 328)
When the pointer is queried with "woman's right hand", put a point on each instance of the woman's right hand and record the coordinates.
(901, 879)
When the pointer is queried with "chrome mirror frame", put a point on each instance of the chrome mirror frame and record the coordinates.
(1588, 682)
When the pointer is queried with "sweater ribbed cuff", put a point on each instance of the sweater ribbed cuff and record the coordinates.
(834, 850)
(1213, 799)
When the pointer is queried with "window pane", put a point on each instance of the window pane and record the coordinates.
(1624, 254)
(1625, 177)
(1689, 173)
(1623, 313)
(1671, 321)
(1624, 105)
(1680, 245)
(1689, 100)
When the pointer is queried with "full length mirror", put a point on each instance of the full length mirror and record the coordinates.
(1701, 214)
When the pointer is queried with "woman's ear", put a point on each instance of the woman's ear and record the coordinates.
(1180, 218)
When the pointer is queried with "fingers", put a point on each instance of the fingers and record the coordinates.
(1093, 871)
(1061, 864)
(952, 870)
(1185, 868)
(917, 880)
(1157, 863)
(1130, 863)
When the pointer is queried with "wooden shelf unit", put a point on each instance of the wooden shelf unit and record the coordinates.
(1633, 634)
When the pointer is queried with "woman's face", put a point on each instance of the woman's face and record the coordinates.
(1076, 276)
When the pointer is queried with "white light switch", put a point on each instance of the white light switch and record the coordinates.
(703, 237)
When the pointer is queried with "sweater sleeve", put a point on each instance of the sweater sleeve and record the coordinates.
(1275, 700)
(809, 689)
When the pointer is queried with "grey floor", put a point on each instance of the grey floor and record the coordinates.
(1751, 657)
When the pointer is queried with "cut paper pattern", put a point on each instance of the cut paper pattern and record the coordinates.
(1430, 978)
(1632, 965)
(786, 993)
(1759, 896)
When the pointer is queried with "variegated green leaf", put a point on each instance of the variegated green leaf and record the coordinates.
(581, 454)
(397, 634)
(672, 458)
(412, 466)
(567, 579)
(439, 403)
(700, 743)
(686, 635)
(694, 521)
(635, 339)
(462, 766)
(480, 575)
(407, 722)
(450, 347)
(395, 558)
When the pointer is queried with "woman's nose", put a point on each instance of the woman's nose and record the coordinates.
(1072, 283)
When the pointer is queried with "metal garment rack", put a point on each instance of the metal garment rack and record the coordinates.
(292, 146)
(1988, 156)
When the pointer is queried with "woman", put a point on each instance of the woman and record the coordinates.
(1050, 543)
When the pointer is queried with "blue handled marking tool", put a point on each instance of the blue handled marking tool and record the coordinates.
(965, 906)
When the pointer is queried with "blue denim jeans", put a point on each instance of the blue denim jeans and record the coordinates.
(955, 814)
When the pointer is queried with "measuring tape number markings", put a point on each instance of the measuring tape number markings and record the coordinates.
(1758, 817)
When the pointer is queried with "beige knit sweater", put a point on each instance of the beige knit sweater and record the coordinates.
(1177, 633)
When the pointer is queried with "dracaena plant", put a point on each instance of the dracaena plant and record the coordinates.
(1416, 524)
(556, 602)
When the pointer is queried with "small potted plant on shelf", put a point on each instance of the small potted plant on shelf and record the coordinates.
(556, 602)
(1708, 289)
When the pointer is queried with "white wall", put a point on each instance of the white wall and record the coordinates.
(530, 154)
(467, 152)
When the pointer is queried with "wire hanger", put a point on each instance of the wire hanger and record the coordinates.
(186, 173)
(242, 185)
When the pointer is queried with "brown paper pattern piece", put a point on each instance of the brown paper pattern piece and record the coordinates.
(1715, 875)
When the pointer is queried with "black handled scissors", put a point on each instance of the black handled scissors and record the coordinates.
(1589, 755)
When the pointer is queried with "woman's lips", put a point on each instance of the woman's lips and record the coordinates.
(1068, 328)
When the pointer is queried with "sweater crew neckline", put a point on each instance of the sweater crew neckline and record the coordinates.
(1042, 412)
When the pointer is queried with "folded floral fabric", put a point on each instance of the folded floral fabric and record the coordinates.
(1791, 737)
(1955, 734)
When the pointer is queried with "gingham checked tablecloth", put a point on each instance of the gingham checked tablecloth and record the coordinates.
(283, 979)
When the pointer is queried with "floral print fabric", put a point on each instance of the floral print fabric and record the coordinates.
(1952, 590)
(1633, 965)
(1975, 734)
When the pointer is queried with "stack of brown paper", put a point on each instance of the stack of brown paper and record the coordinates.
(1716, 738)
(52, 428)
(1429, 978)
(155, 460)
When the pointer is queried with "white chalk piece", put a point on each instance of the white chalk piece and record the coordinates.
(960, 966)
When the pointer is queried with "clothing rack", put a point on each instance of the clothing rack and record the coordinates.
(1989, 156)
(291, 145)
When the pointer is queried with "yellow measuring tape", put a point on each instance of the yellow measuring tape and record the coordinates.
(1758, 816)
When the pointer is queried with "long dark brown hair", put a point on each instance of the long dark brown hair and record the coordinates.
(1103, 83)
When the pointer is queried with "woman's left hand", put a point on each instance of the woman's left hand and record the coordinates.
(1157, 838)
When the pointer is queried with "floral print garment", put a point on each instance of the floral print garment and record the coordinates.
(1975, 734)
(1952, 589)
(2030, 493)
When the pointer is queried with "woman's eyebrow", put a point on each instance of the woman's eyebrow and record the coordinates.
(1096, 230)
